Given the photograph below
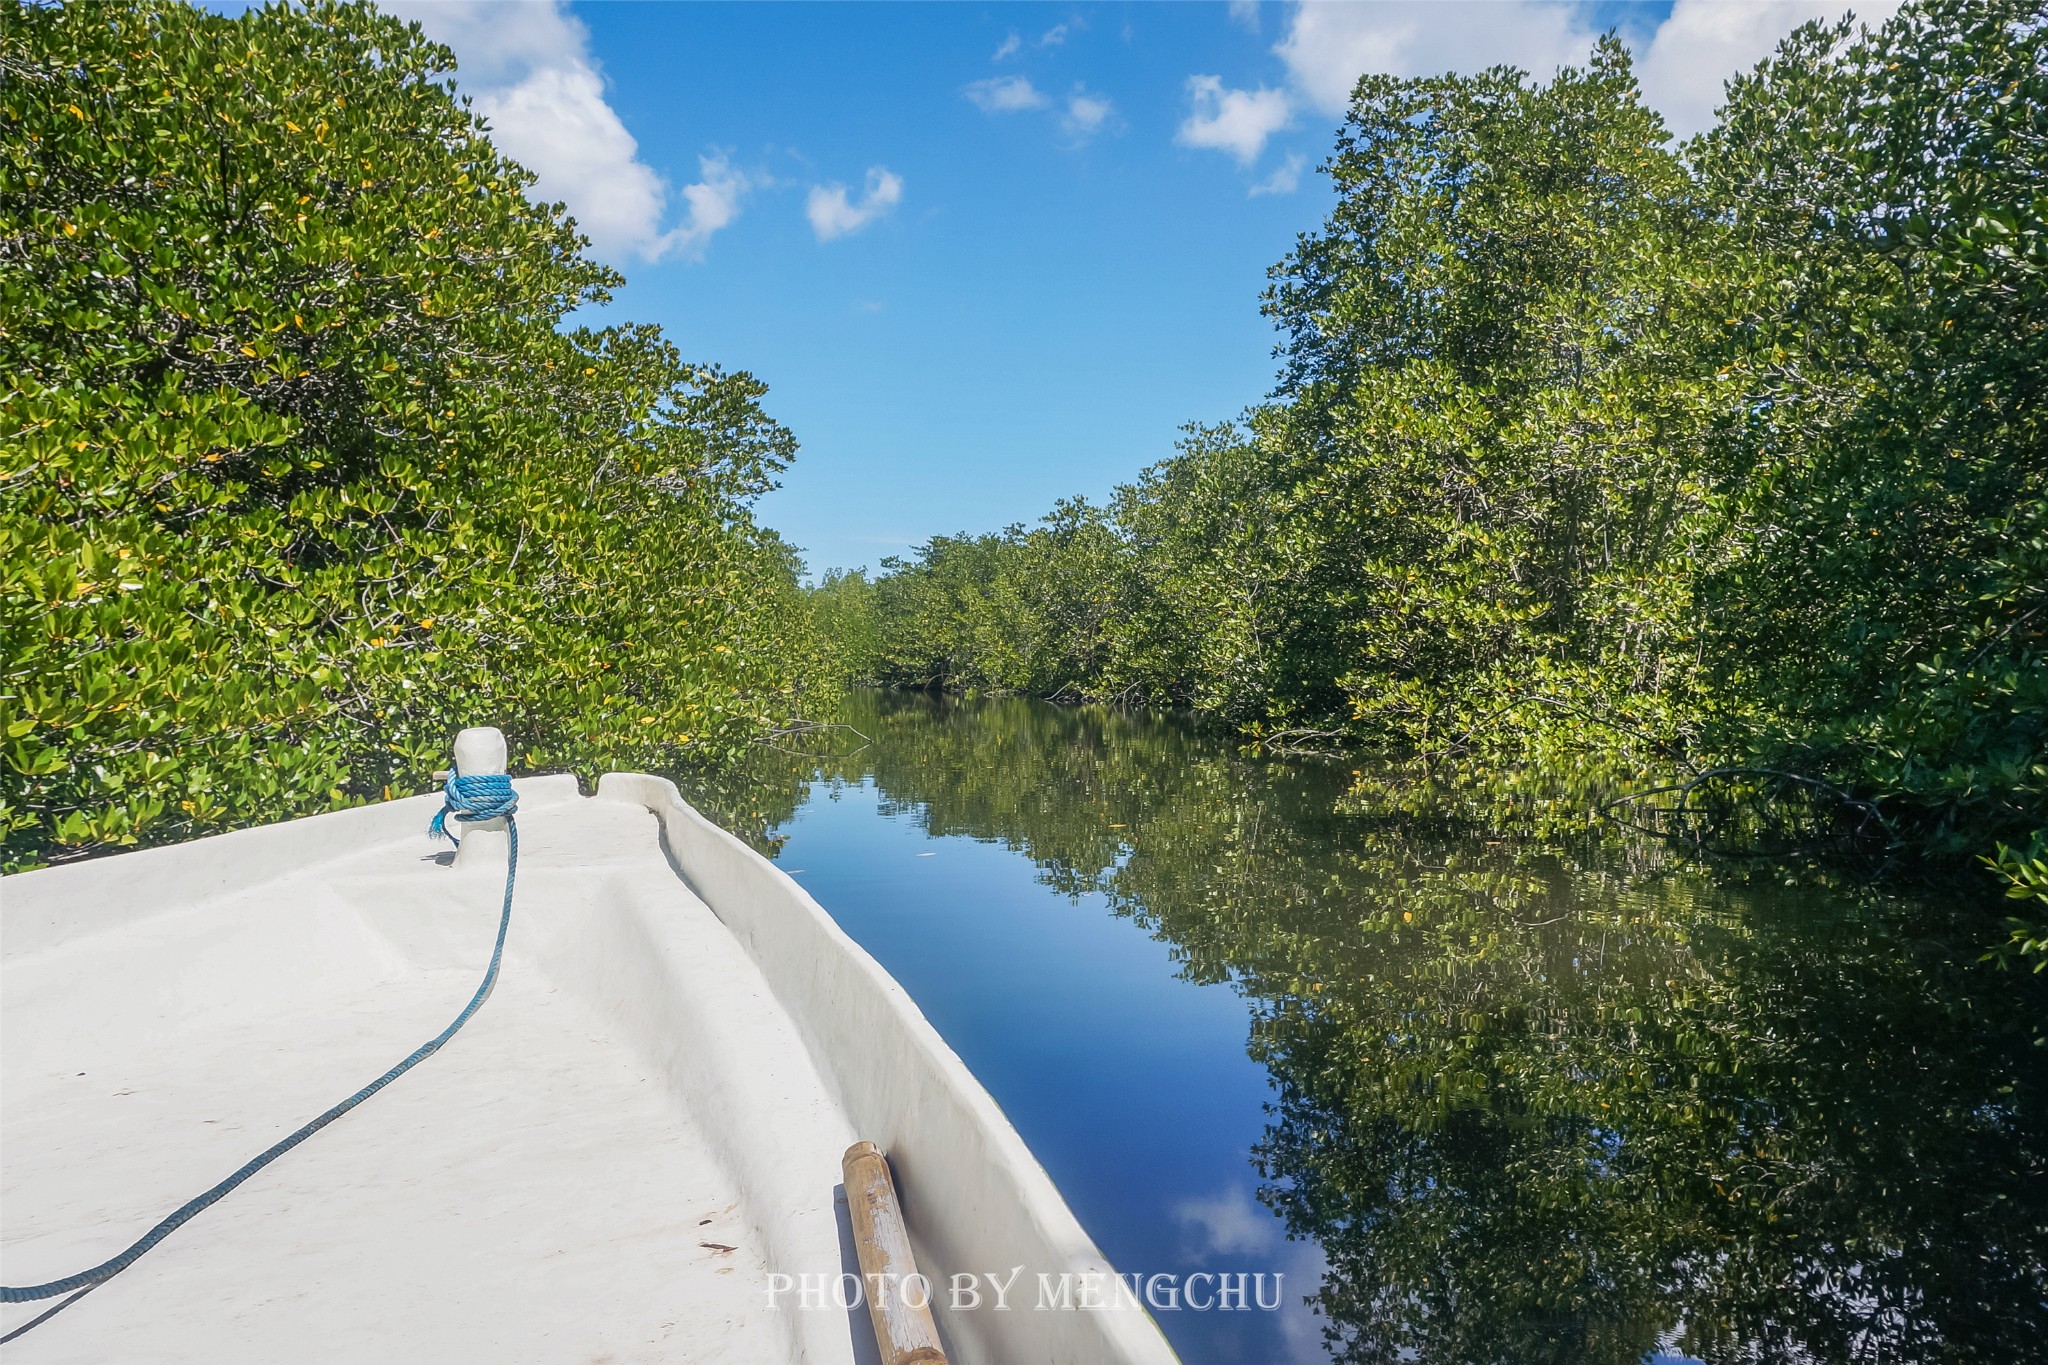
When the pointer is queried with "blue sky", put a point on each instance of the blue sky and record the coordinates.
(987, 255)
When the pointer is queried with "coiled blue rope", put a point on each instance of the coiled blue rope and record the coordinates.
(469, 799)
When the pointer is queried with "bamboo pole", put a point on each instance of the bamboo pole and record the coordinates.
(904, 1329)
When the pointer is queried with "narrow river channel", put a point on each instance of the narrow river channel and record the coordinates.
(1478, 1090)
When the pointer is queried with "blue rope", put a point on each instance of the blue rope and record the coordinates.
(469, 799)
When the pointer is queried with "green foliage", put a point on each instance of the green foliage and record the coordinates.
(1882, 622)
(2025, 875)
(1598, 453)
(1497, 413)
(305, 466)
(1019, 611)
(843, 607)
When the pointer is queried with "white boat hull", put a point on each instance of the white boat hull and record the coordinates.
(630, 1154)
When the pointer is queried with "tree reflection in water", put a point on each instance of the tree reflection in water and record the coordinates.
(1543, 1092)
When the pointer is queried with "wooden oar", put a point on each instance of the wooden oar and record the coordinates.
(904, 1330)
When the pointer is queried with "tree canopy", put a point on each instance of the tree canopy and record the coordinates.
(1590, 448)
(309, 457)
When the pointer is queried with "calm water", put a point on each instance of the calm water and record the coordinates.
(1481, 1090)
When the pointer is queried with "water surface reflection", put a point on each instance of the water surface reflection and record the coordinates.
(1487, 1091)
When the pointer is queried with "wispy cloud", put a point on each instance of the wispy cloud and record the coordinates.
(1285, 179)
(1234, 121)
(1054, 36)
(1086, 114)
(1009, 47)
(1082, 113)
(1004, 94)
(1231, 1226)
(1245, 14)
(1230, 1223)
(529, 69)
(835, 213)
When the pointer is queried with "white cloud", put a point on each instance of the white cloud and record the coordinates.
(1245, 13)
(1233, 1225)
(1004, 94)
(1234, 121)
(1285, 179)
(1086, 114)
(1681, 68)
(1328, 46)
(1704, 42)
(1228, 1224)
(528, 68)
(714, 202)
(1082, 115)
(833, 213)
(498, 41)
(1054, 36)
(1009, 48)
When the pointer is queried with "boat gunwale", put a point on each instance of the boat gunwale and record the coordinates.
(975, 1197)
(1119, 1332)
